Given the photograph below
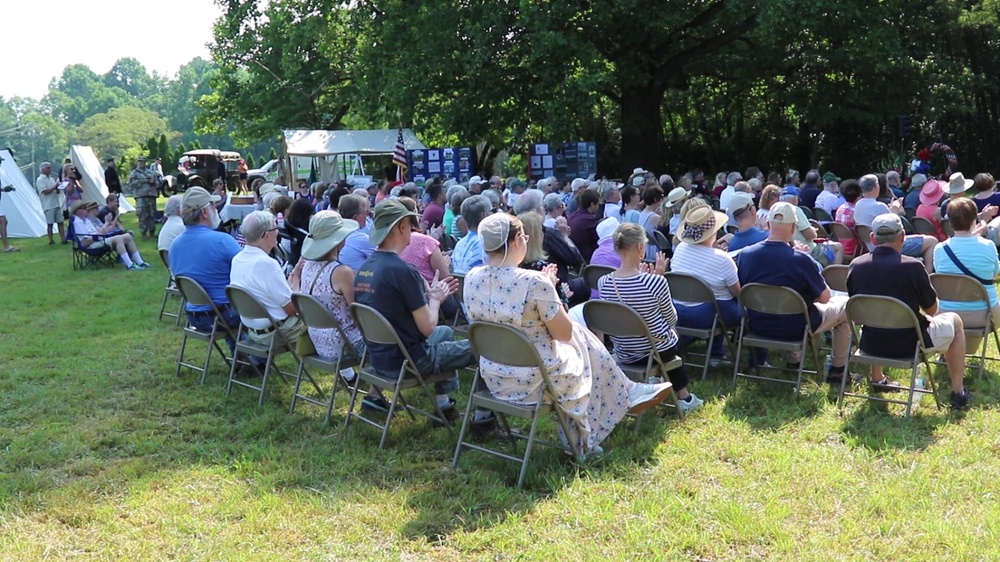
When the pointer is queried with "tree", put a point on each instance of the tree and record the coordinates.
(79, 93)
(130, 76)
(163, 147)
(111, 133)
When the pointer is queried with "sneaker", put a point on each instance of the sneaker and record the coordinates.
(374, 403)
(717, 362)
(134, 267)
(693, 403)
(644, 396)
(961, 401)
(450, 414)
(839, 377)
(146, 265)
(886, 385)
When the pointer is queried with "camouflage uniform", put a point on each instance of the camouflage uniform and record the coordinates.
(145, 194)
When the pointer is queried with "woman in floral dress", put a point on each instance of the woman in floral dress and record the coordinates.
(590, 389)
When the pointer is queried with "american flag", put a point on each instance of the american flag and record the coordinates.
(399, 157)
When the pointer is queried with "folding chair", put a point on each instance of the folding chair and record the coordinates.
(507, 346)
(949, 231)
(886, 313)
(923, 226)
(621, 320)
(820, 229)
(193, 293)
(170, 291)
(592, 273)
(808, 212)
(842, 232)
(376, 329)
(662, 241)
(90, 257)
(864, 237)
(459, 324)
(962, 288)
(688, 288)
(248, 307)
(821, 215)
(769, 299)
(907, 226)
(836, 277)
(315, 315)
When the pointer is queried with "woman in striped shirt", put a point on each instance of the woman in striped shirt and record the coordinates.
(647, 292)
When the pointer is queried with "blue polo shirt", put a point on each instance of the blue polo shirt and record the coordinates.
(776, 263)
(746, 238)
(204, 255)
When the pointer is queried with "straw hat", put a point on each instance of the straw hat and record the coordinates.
(701, 223)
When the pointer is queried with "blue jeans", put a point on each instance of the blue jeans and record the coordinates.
(202, 322)
(700, 316)
(444, 354)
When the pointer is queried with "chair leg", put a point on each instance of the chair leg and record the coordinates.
(333, 391)
(354, 397)
(180, 357)
(736, 360)
(708, 353)
(528, 447)
(843, 381)
(222, 354)
(298, 382)
(163, 305)
(396, 395)
(180, 310)
(465, 421)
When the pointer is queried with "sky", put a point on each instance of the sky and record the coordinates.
(42, 38)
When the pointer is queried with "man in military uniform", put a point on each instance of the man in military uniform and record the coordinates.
(142, 183)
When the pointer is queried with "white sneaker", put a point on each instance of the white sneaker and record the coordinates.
(347, 374)
(693, 404)
(644, 396)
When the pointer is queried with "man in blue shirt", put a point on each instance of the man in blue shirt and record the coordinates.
(356, 248)
(468, 252)
(204, 254)
(742, 210)
(774, 262)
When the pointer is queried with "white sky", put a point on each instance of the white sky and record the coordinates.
(41, 38)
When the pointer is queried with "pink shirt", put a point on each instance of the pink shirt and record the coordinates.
(845, 216)
(418, 254)
(927, 212)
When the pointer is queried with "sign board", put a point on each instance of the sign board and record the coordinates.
(566, 160)
(457, 163)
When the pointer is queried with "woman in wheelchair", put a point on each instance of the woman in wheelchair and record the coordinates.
(90, 236)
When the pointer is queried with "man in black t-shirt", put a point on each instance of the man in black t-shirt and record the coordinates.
(394, 288)
(886, 272)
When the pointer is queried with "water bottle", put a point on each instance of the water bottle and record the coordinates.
(281, 220)
(828, 364)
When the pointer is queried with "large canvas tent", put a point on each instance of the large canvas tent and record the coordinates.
(22, 207)
(94, 188)
(326, 146)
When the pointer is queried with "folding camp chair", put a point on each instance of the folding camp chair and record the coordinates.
(90, 257)
(317, 316)
(248, 307)
(621, 320)
(962, 288)
(769, 299)
(891, 314)
(592, 273)
(836, 277)
(376, 329)
(507, 346)
(688, 288)
(193, 294)
(170, 291)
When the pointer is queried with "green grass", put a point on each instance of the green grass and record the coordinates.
(105, 455)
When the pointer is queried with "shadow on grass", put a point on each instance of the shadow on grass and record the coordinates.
(768, 406)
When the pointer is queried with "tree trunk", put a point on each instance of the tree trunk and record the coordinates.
(642, 129)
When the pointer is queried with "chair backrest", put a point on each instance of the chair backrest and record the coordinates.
(808, 212)
(313, 312)
(688, 288)
(883, 312)
(864, 236)
(949, 231)
(460, 294)
(771, 299)
(592, 273)
(959, 288)
(820, 229)
(193, 292)
(840, 231)
(907, 226)
(446, 242)
(662, 241)
(246, 304)
(910, 212)
(614, 318)
(165, 258)
(836, 277)
(503, 344)
(374, 327)
(821, 214)
(923, 226)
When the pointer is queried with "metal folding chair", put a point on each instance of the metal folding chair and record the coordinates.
(836, 277)
(864, 237)
(248, 307)
(923, 226)
(593, 273)
(769, 299)
(621, 320)
(193, 293)
(507, 346)
(315, 315)
(962, 288)
(170, 291)
(688, 288)
(821, 215)
(459, 324)
(808, 212)
(376, 329)
(891, 314)
(949, 231)
(841, 232)
(662, 242)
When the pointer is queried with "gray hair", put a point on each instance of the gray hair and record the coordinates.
(173, 206)
(733, 177)
(492, 195)
(868, 183)
(754, 184)
(256, 224)
(396, 191)
(892, 175)
(607, 189)
(530, 200)
(552, 202)
(887, 238)
(789, 198)
(456, 188)
(475, 209)
(743, 186)
(350, 205)
(360, 192)
(191, 218)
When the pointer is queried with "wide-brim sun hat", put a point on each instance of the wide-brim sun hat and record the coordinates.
(327, 229)
(700, 224)
(931, 192)
(676, 195)
(958, 184)
(387, 213)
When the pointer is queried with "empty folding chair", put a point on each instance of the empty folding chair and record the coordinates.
(376, 329)
(195, 295)
(170, 291)
(507, 346)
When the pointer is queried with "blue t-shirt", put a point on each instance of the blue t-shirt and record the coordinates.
(394, 288)
(776, 263)
(468, 253)
(979, 256)
(204, 255)
(356, 248)
(747, 238)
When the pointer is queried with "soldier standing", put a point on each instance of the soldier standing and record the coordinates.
(142, 182)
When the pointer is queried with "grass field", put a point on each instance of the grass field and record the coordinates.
(105, 455)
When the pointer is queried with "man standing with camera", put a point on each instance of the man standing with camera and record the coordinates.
(142, 183)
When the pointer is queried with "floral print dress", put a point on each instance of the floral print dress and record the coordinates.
(316, 282)
(591, 390)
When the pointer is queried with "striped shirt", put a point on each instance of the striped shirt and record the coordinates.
(649, 295)
(711, 265)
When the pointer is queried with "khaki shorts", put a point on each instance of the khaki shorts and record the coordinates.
(942, 332)
(53, 216)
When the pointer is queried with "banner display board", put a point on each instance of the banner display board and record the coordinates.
(566, 160)
(457, 163)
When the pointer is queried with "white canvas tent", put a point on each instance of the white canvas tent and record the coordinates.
(22, 207)
(94, 188)
(328, 145)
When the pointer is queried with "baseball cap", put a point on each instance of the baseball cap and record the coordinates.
(829, 177)
(475, 179)
(781, 212)
(887, 223)
(790, 190)
(739, 201)
(196, 198)
(387, 213)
